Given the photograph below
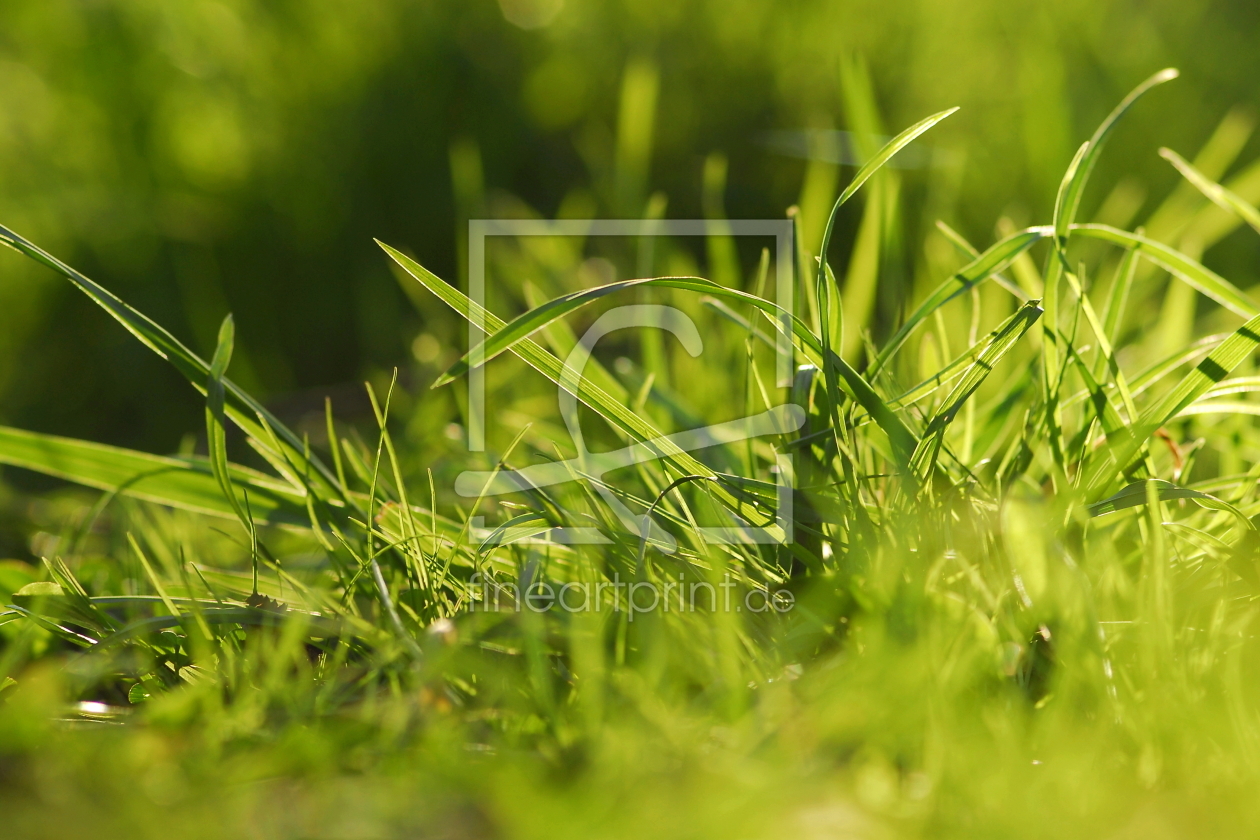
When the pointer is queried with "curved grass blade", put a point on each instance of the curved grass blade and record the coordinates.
(1136, 495)
(1220, 196)
(538, 318)
(548, 365)
(1220, 407)
(994, 260)
(972, 253)
(316, 626)
(1069, 198)
(825, 291)
(1117, 302)
(1209, 372)
(1238, 385)
(1066, 204)
(1001, 341)
(185, 484)
(1212, 370)
(216, 434)
(1156, 372)
(238, 405)
(1178, 264)
(903, 440)
(868, 169)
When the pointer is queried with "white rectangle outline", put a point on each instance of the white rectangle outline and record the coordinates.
(784, 259)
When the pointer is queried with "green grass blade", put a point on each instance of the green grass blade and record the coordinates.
(972, 253)
(216, 434)
(1002, 340)
(1070, 197)
(548, 365)
(996, 258)
(185, 484)
(538, 318)
(1220, 196)
(1212, 370)
(868, 169)
(1064, 202)
(518, 331)
(1136, 495)
(825, 291)
(1178, 264)
(1209, 372)
(238, 405)
(1118, 296)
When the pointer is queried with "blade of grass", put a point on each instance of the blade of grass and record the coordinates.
(185, 484)
(1176, 263)
(996, 258)
(514, 337)
(1070, 198)
(1220, 196)
(238, 405)
(1001, 341)
(1214, 369)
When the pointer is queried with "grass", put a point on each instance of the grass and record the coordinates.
(1023, 575)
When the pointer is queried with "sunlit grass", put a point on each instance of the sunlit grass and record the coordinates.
(1022, 576)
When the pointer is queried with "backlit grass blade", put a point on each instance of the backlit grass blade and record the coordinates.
(1066, 204)
(538, 358)
(216, 437)
(539, 317)
(872, 166)
(1073, 179)
(186, 484)
(1209, 372)
(216, 434)
(1104, 343)
(514, 336)
(1002, 340)
(1108, 416)
(1220, 196)
(972, 253)
(1118, 299)
(1220, 407)
(238, 405)
(1212, 370)
(1156, 372)
(1238, 385)
(1178, 264)
(1136, 494)
(996, 258)
(826, 291)
(1070, 198)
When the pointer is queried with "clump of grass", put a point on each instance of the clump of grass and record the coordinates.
(1024, 572)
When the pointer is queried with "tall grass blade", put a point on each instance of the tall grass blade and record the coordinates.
(549, 366)
(1220, 196)
(238, 405)
(1001, 341)
(1214, 369)
(993, 261)
(514, 336)
(184, 484)
(1178, 264)
(1070, 198)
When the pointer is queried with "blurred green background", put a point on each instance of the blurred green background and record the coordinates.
(201, 156)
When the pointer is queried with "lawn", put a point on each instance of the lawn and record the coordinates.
(990, 570)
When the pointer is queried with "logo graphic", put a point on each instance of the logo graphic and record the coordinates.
(591, 467)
